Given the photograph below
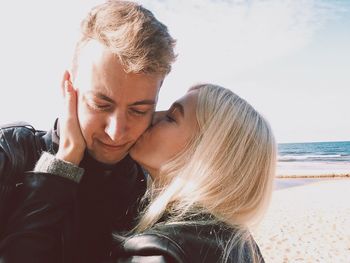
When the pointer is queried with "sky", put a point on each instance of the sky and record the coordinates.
(290, 59)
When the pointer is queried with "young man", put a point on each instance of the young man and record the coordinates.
(119, 65)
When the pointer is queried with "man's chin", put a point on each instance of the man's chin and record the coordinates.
(109, 159)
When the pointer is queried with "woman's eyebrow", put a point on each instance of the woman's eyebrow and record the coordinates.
(179, 106)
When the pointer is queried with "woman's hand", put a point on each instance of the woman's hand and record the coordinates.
(72, 144)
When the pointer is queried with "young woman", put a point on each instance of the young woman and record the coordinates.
(211, 158)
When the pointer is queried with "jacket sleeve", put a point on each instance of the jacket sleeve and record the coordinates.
(149, 247)
(18, 153)
(35, 231)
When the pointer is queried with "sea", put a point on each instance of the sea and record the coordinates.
(314, 158)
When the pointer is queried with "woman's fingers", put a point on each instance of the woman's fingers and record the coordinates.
(72, 144)
(66, 77)
(70, 96)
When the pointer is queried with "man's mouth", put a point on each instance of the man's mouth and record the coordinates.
(113, 146)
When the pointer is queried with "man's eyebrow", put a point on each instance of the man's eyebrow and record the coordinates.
(102, 96)
(179, 107)
(143, 102)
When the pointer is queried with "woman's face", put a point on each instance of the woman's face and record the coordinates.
(170, 131)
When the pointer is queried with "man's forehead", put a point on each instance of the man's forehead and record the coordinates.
(98, 59)
(91, 53)
(101, 73)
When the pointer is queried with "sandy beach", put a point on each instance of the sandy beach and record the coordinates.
(308, 223)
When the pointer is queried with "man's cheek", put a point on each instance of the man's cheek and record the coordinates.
(144, 125)
(148, 121)
(85, 114)
(87, 123)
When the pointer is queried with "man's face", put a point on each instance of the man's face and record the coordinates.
(114, 107)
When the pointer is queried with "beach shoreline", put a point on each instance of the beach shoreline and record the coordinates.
(287, 181)
(309, 176)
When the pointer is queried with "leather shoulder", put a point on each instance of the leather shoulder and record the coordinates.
(20, 143)
(20, 124)
(151, 245)
(206, 243)
(194, 243)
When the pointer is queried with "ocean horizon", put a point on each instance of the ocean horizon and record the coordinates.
(314, 158)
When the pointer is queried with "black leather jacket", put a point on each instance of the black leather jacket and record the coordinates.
(41, 230)
(84, 216)
(193, 243)
(36, 226)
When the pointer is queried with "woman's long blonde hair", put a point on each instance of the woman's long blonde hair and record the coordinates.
(226, 170)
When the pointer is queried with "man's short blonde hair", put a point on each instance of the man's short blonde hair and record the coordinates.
(131, 32)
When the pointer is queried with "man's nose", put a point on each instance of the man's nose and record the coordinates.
(116, 127)
(157, 116)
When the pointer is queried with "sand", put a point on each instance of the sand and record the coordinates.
(309, 223)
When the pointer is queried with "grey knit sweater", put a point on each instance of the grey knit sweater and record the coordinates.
(48, 163)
